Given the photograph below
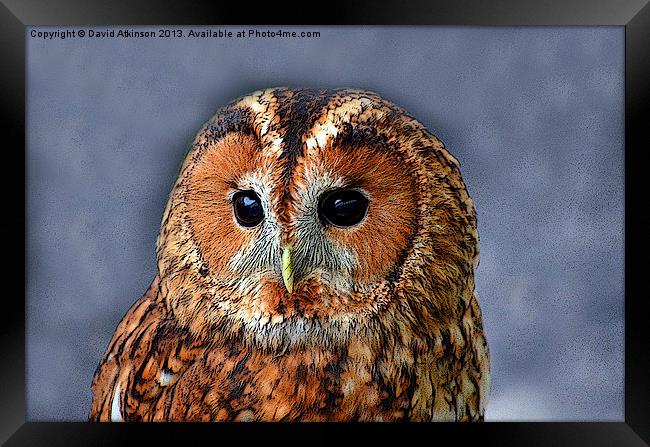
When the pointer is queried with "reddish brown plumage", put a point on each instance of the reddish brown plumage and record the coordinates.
(382, 323)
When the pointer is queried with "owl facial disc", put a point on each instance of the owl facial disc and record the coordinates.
(318, 206)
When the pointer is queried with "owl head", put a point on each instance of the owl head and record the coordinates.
(305, 216)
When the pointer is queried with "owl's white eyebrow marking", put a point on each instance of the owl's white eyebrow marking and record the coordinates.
(253, 101)
(116, 414)
(166, 377)
(261, 104)
(276, 146)
(321, 133)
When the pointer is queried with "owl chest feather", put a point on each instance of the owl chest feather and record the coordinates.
(356, 383)
(164, 376)
(310, 385)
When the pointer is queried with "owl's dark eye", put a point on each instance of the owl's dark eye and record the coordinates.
(343, 208)
(248, 208)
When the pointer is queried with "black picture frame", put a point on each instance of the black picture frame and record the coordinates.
(634, 15)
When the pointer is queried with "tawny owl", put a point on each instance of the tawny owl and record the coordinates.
(315, 263)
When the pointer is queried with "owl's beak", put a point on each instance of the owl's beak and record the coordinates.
(287, 268)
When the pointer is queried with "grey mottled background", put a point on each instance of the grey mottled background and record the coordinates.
(535, 116)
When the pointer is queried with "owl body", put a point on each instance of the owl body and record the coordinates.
(315, 263)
